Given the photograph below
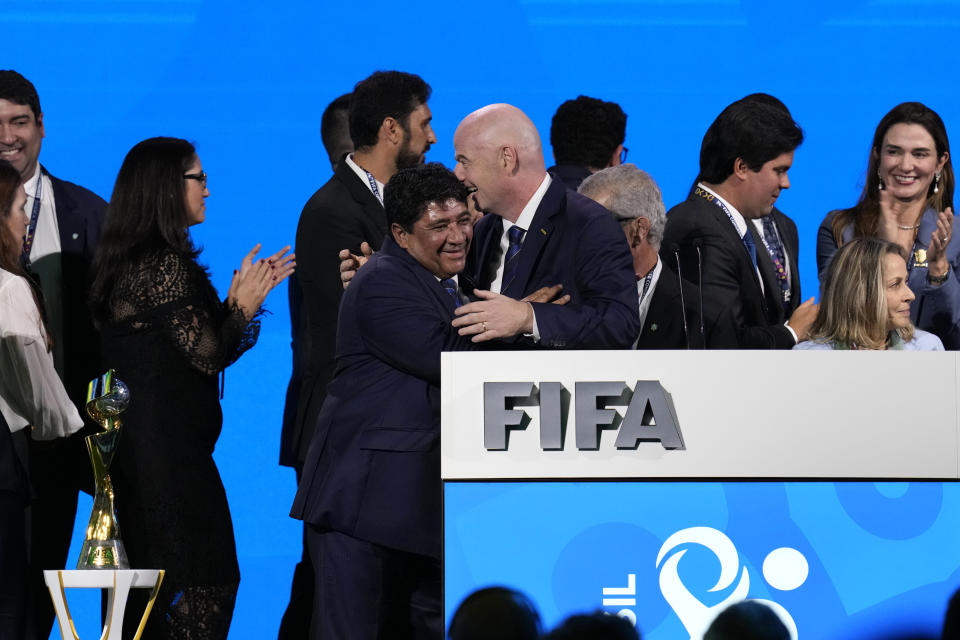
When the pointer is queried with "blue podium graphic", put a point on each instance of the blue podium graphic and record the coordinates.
(847, 559)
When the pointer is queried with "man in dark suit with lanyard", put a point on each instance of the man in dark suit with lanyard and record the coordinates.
(744, 159)
(65, 222)
(539, 233)
(370, 491)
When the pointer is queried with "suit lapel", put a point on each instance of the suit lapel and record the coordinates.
(71, 226)
(534, 241)
(728, 230)
(488, 232)
(771, 284)
(360, 192)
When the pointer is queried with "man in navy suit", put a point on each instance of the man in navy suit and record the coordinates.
(539, 233)
(66, 229)
(370, 492)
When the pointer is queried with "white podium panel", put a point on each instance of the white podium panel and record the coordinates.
(740, 414)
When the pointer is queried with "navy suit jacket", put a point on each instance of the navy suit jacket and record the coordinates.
(575, 242)
(79, 218)
(342, 214)
(373, 467)
(730, 283)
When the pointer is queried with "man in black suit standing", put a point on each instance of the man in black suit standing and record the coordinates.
(335, 133)
(670, 319)
(390, 127)
(587, 135)
(65, 222)
(744, 159)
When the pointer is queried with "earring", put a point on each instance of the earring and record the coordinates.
(880, 180)
(936, 182)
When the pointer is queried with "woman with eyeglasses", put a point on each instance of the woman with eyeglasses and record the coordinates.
(32, 397)
(908, 200)
(168, 336)
(865, 302)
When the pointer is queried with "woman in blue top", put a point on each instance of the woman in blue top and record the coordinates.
(908, 200)
(865, 302)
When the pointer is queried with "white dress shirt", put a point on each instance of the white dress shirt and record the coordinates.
(30, 389)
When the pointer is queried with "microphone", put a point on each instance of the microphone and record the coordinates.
(683, 305)
(698, 243)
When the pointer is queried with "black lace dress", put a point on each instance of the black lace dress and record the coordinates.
(169, 336)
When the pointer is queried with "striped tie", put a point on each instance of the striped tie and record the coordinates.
(515, 237)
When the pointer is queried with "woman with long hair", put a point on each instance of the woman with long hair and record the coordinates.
(908, 200)
(32, 397)
(865, 302)
(168, 336)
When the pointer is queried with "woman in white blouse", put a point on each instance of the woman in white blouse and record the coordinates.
(32, 399)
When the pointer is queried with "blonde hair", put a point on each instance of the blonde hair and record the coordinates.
(853, 306)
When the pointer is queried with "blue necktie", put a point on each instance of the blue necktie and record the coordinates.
(750, 247)
(451, 287)
(515, 238)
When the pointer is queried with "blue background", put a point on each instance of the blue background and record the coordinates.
(883, 558)
(248, 81)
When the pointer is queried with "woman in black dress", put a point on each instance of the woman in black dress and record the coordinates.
(168, 336)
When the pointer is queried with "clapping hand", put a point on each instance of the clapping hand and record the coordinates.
(256, 278)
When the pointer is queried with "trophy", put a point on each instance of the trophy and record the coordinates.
(107, 398)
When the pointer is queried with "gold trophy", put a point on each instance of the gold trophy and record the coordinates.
(107, 398)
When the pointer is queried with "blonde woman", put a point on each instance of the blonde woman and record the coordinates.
(866, 302)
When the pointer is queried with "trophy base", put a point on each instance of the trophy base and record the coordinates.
(103, 554)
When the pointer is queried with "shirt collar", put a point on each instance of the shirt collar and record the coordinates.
(30, 186)
(362, 174)
(526, 216)
(739, 222)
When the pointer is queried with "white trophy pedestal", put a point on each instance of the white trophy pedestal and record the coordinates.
(118, 583)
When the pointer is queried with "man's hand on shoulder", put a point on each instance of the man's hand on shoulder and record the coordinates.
(548, 294)
(350, 262)
(493, 316)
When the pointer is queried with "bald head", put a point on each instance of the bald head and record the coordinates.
(500, 156)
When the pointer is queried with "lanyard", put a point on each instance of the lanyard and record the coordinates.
(709, 197)
(646, 284)
(34, 217)
(373, 185)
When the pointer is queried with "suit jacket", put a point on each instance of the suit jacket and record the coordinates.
(575, 242)
(663, 326)
(730, 284)
(342, 214)
(373, 468)
(79, 218)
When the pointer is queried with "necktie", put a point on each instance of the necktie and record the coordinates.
(750, 247)
(515, 238)
(775, 249)
(451, 287)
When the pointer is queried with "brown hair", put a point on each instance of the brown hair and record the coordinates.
(864, 215)
(11, 249)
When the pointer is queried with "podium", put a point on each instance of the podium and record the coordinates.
(117, 582)
(664, 486)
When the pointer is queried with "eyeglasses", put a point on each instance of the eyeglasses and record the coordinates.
(623, 155)
(199, 177)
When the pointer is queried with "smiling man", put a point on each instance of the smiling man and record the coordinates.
(370, 491)
(539, 233)
(65, 221)
(745, 157)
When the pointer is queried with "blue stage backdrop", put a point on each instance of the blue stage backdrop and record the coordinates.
(247, 81)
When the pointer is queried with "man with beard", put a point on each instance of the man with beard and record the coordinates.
(390, 128)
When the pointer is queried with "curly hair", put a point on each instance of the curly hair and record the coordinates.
(410, 192)
(586, 131)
